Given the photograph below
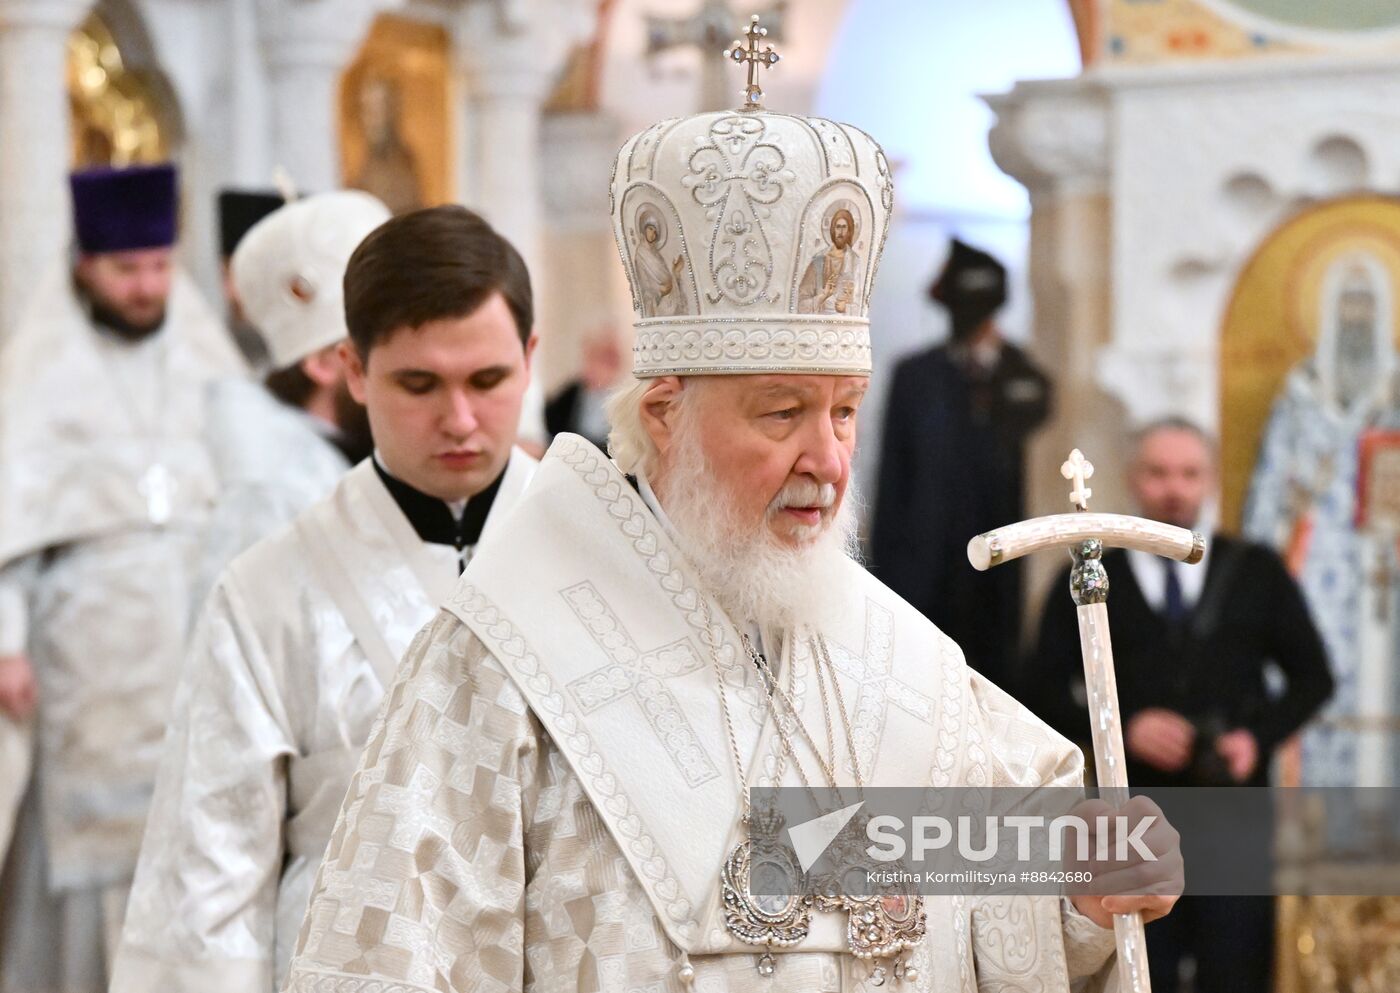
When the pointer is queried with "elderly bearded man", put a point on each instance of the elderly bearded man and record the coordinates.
(559, 777)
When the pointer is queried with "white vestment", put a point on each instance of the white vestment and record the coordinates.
(549, 797)
(272, 462)
(105, 487)
(290, 659)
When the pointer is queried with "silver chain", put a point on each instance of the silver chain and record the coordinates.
(841, 709)
(820, 657)
(710, 630)
(153, 428)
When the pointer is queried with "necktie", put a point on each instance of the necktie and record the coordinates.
(1173, 603)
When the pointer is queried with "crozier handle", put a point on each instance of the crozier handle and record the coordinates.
(1064, 530)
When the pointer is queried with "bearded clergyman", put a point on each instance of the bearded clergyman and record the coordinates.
(106, 485)
(558, 784)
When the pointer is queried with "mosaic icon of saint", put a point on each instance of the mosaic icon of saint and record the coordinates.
(830, 283)
(660, 282)
(390, 169)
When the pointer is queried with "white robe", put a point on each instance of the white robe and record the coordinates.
(300, 637)
(89, 584)
(272, 462)
(549, 798)
(94, 586)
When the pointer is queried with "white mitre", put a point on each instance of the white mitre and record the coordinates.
(725, 223)
(289, 270)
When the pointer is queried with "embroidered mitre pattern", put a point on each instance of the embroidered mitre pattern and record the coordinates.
(751, 241)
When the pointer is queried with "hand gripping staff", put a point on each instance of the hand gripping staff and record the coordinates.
(1085, 535)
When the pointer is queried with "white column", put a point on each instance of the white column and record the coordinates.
(509, 54)
(308, 44)
(506, 111)
(1055, 141)
(588, 289)
(35, 144)
(249, 108)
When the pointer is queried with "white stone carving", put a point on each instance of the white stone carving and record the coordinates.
(1199, 165)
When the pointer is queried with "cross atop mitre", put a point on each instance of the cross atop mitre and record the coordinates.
(754, 59)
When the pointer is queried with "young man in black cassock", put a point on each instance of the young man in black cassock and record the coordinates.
(1191, 646)
(952, 466)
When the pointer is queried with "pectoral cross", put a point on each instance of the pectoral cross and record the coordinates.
(753, 93)
(157, 486)
(1077, 470)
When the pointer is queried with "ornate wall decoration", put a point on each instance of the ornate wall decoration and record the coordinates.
(1149, 31)
(1278, 307)
(119, 114)
(395, 115)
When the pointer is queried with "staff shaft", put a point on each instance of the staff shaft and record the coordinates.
(1110, 763)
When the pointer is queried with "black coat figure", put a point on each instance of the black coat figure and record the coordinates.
(1208, 666)
(577, 407)
(952, 466)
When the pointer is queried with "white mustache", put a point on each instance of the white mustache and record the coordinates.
(804, 493)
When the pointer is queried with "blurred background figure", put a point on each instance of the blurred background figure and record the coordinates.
(578, 406)
(281, 445)
(952, 466)
(389, 170)
(105, 487)
(1194, 648)
(238, 211)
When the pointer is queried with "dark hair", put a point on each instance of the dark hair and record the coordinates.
(290, 384)
(431, 264)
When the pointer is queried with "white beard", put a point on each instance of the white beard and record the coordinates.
(754, 577)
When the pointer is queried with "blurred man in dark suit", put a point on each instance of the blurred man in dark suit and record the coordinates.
(1192, 647)
(952, 466)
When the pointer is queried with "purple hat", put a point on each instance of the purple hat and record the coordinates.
(117, 210)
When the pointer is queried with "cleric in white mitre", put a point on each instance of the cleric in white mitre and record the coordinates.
(280, 446)
(303, 632)
(105, 488)
(555, 789)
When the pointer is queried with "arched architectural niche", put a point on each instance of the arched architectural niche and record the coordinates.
(1274, 312)
(124, 109)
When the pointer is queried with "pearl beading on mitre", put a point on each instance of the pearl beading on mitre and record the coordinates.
(753, 346)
